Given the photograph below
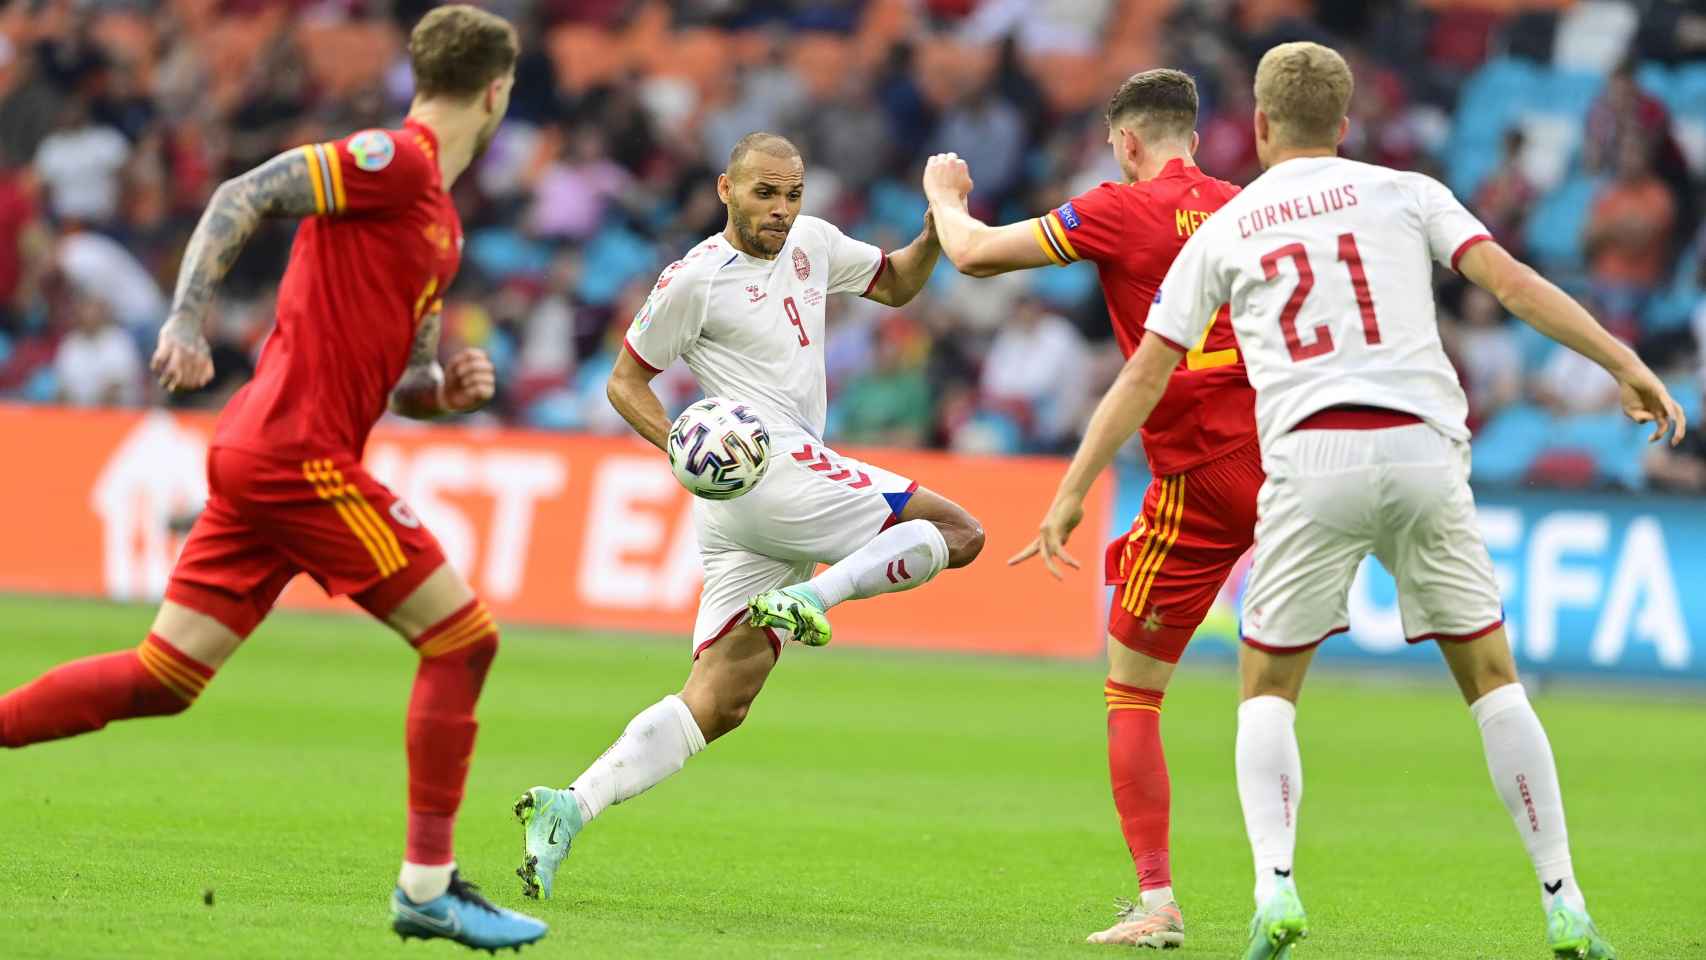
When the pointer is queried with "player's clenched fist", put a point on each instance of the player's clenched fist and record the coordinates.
(182, 359)
(469, 381)
(946, 175)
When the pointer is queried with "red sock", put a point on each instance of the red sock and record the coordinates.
(455, 656)
(85, 695)
(1137, 768)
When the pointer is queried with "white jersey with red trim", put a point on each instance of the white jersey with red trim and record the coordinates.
(1328, 266)
(752, 329)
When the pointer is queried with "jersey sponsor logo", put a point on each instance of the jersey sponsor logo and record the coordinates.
(755, 293)
(373, 150)
(1068, 216)
(802, 264)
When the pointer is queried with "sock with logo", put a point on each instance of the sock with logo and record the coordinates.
(1143, 798)
(439, 733)
(655, 745)
(1519, 758)
(1270, 786)
(150, 680)
(904, 556)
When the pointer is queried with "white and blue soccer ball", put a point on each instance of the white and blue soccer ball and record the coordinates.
(719, 448)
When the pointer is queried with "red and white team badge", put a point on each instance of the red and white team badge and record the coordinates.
(802, 265)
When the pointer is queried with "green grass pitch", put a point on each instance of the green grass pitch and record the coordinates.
(876, 805)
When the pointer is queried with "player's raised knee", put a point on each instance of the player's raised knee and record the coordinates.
(965, 539)
(469, 634)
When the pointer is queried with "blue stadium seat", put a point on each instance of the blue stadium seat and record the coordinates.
(1509, 443)
(1555, 229)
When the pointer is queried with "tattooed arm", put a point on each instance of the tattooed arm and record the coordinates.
(428, 390)
(281, 187)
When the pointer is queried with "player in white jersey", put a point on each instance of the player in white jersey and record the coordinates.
(1328, 266)
(745, 310)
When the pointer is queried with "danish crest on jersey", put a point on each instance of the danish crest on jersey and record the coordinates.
(373, 150)
(1068, 216)
(802, 264)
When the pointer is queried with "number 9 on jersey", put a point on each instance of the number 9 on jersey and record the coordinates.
(718, 449)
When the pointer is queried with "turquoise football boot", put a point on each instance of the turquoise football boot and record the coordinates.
(461, 915)
(551, 819)
(797, 608)
(1278, 924)
(1572, 936)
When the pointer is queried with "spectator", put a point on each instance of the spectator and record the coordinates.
(1681, 469)
(990, 134)
(1622, 111)
(80, 163)
(1505, 197)
(891, 403)
(101, 265)
(1628, 236)
(1036, 372)
(23, 247)
(570, 200)
(97, 363)
(1488, 357)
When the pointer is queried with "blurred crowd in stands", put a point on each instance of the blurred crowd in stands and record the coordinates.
(1577, 130)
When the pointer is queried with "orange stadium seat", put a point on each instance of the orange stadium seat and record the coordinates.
(698, 56)
(584, 56)
(345, 57)
(822, 61)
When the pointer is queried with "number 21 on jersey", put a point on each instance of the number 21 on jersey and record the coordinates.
(1351, 257)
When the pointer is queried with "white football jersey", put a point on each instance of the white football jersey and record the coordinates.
(752, 329)
(1328, 266)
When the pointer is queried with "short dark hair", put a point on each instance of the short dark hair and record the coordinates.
(456, 50)
(770, 144)
(1161, 104)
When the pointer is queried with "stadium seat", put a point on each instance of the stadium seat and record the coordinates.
(1554, 232)
(1592, 35)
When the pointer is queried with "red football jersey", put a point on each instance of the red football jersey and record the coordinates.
(1132, 232)
(374, 260)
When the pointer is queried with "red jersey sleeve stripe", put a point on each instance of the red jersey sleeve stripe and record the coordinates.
(882, 265)
(636, 355)
(1463, 247)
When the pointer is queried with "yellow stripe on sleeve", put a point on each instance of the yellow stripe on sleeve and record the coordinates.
(1052, 219)
(334, 163)
(314, 178)
(1042, 241)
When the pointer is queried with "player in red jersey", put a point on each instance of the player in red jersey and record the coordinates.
(357, 328)
(1199, 513)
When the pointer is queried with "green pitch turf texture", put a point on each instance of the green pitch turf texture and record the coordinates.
(875, 805)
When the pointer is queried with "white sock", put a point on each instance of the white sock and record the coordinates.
(1519, 757)
(656, 743)
(904, 556)
(1270, 786)
(1156, 897)
(421, 883)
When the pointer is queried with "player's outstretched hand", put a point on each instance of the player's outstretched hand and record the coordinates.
(182, 358)
(1645, 400)
(469, 381)
(946, 176)
(1064, 516)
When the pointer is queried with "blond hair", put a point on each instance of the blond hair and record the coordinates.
(1305, 90)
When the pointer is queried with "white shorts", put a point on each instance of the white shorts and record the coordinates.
(812, 506)
(1332, 497)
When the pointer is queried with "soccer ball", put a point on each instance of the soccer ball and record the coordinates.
(718, 449)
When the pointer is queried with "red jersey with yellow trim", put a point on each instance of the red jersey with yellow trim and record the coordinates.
(1132, 232)
(384, 243)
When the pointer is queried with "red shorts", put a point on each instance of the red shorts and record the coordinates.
(1170, 567)
(268, 519)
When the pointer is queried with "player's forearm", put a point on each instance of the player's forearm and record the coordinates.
(420, 394)
(1121, 413)
(1540, 304)
(909, 270)
(957, 231)
(638, 405)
